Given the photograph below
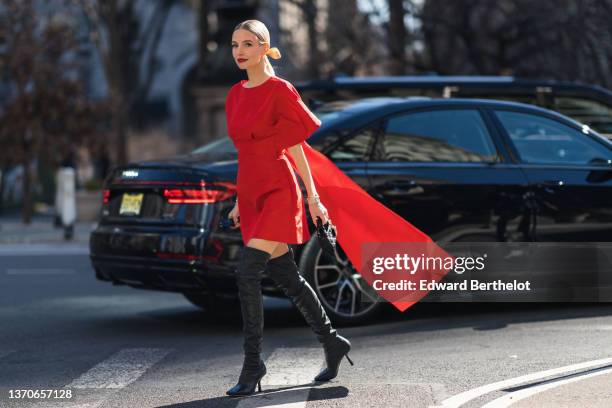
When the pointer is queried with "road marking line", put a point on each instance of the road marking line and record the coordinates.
(120, 369)
(39, 271)
(69, 404)
(515, 396)
(43, 249)
(462, 398)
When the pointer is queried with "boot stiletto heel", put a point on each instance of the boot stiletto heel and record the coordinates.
(333, 356)
(247, 386)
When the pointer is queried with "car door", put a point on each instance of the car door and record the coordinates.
(570, 180)
(443, 170)
(570, 175)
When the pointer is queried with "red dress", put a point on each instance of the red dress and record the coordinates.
(263, 122)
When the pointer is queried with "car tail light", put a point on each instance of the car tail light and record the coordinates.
(106, 196)
(208, 193)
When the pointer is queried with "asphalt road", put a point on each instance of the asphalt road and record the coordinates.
(112, 346)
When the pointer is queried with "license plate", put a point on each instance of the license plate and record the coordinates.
(130, 204)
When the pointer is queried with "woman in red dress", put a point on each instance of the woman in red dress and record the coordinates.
(267, 122)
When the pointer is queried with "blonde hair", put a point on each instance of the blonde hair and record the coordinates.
(260, 31)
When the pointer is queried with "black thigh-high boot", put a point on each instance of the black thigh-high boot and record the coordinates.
(248, 279)
(284, 271)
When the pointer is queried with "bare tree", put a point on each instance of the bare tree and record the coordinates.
(127, 44)
(355, 47)
(398, 37)
(561, 39)
(309, 11)
(47, 112)
(393, 33)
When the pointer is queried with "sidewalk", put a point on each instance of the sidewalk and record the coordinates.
(592, 392)
(40, 230)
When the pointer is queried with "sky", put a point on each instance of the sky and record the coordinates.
(381, 7)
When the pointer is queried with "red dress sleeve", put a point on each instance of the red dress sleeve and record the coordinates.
(294, 121)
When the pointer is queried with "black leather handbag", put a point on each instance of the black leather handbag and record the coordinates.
(326, 234)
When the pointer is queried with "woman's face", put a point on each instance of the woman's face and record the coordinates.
(246, 49)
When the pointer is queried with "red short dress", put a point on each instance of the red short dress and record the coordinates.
(263, 121)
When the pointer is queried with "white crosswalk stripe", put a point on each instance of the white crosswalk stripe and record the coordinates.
(287, 368)
(120, 369)
(108, 377)
(97, 401)
(290, 366)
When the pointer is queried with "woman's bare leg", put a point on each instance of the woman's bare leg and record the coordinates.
(274, 248)
(280, 250)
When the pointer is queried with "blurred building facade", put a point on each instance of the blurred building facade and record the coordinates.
(188, 95)
(176, 56)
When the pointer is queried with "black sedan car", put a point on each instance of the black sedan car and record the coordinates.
(460, 170)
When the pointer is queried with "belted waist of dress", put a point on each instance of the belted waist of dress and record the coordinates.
(265, 147)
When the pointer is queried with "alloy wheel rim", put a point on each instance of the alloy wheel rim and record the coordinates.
(341, 287)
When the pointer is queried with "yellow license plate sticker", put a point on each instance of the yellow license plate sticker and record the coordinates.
(131, 203)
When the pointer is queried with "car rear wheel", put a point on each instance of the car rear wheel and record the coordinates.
(346, 297)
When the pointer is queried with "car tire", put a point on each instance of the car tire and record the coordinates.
(315, 266)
